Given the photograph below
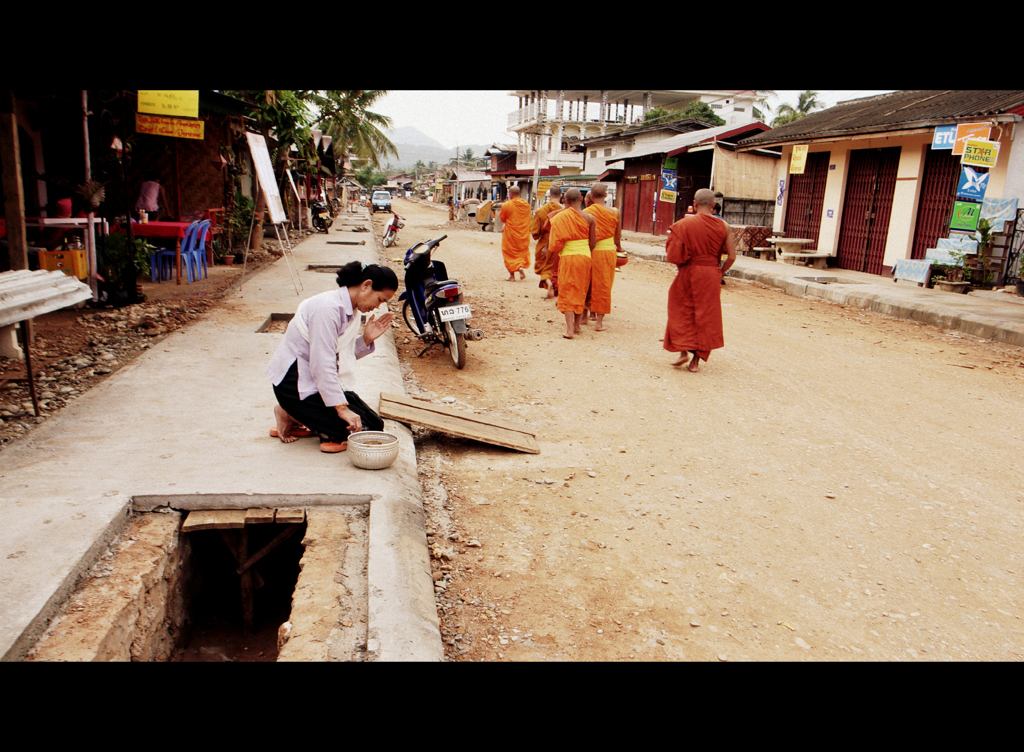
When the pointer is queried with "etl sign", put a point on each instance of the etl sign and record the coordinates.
(945, 137)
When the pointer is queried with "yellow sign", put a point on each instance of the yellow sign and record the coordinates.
(171, 103)
(799, 160)
(965, 131)
(174, 127)
(668, 197)
(980, 153)
(543, 186)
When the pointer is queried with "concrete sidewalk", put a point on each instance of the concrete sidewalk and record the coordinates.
(186, 425)
(989, 314)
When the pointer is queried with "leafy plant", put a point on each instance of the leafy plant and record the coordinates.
(116, 257)
(239, 220)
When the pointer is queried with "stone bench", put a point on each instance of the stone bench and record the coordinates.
(815, 260)
(765, 254)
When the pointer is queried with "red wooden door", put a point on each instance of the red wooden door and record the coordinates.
(938, 186)
(870, 186)
(806, 199)
(648, 195)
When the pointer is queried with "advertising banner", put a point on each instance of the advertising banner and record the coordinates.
(165, 126)
(965, 216)
(669, 197)
(980, 152)
(170, 103)
(965, 131)
(799, 160)
(944, 137)
(972, 184)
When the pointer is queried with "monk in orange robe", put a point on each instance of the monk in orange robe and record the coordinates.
(573, 237)
(540, 230)
(695, 244)
(515, 238)
(604, 255)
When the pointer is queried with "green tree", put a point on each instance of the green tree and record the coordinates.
(787, 113)
(700, 110)
(345, 116)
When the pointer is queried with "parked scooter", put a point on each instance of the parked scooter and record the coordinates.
(433, 308)
(391, 229)
(322, 219)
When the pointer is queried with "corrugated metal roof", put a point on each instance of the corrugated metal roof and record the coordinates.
(25, 294)
(674, 144)
(896, 111)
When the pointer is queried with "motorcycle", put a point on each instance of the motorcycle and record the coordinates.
(433, 308)
(322, 220)
(392, 227)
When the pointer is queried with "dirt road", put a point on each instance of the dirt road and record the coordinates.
(833, 484)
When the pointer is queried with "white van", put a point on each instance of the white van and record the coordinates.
(381, 200)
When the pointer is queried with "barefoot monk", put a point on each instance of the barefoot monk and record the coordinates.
(694, 299)
(573, 236)
(515, 237)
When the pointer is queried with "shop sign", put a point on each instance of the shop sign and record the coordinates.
(670, 163)
(165, 126)
(972, 184)
(669, 197)
(944, 137)
(170, 103)
(980, 152)
(799, 160)
(648, 178)
(668, 180)
(965, 131)
(782, 193)
(965, 216)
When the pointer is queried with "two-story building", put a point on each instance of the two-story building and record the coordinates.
(550, 125)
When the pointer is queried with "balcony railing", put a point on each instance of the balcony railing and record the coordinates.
(528, 160)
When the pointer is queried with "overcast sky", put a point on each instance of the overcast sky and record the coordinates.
(480, 117)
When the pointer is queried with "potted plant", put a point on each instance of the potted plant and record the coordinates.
(119, 262)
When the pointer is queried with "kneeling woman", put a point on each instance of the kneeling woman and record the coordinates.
(313, 372)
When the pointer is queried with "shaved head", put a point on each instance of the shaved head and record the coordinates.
(704, 197)
(555, 191)
(513, 192)
(572, 196)
(599, 190)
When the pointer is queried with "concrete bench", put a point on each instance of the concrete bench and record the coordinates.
(765, 254)
(815, 260)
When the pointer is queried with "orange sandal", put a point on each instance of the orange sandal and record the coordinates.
(298, 433)
(331, 447)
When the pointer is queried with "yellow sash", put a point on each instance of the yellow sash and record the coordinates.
(608, 244)
(576, 248)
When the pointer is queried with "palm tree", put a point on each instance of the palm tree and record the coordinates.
(346, 116)
(807, 101)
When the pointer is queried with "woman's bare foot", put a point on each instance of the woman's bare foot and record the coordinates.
(285, 423)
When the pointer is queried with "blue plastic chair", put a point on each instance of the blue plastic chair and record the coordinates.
(197, 253)
(166, 258)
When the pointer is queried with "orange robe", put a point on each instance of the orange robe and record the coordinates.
(695, 297)
(602, 274)
(515, 238)
(542, 263)
(573, 267)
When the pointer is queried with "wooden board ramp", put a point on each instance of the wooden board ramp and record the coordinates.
(233, 519)
(484, 428)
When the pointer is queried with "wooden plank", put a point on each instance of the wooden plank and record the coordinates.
(214, 519)
(459, 424)
(287, 516)
(486, 420)
(256, 516)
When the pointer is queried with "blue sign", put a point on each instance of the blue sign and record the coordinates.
(972, 184)
(782, 192)
(945, 137)
(668, 178)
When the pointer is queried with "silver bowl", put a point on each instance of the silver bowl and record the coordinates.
(372, 450)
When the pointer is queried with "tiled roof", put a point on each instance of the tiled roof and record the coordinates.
(896, 111)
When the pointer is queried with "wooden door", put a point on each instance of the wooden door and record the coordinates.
(938, 186)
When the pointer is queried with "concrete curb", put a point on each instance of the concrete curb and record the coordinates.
(186, 422)
(997, 322)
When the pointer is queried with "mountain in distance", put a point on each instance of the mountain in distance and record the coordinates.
(414, 145)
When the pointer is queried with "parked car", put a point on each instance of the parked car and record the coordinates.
(381, 201)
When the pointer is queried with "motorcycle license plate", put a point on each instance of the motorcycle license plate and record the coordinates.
(454, 313)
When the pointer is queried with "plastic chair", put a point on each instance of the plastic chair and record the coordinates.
(165, 258)
(197, 253)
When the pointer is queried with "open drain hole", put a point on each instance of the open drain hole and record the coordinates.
(215, 594)
(276, 323)
(161, 594)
